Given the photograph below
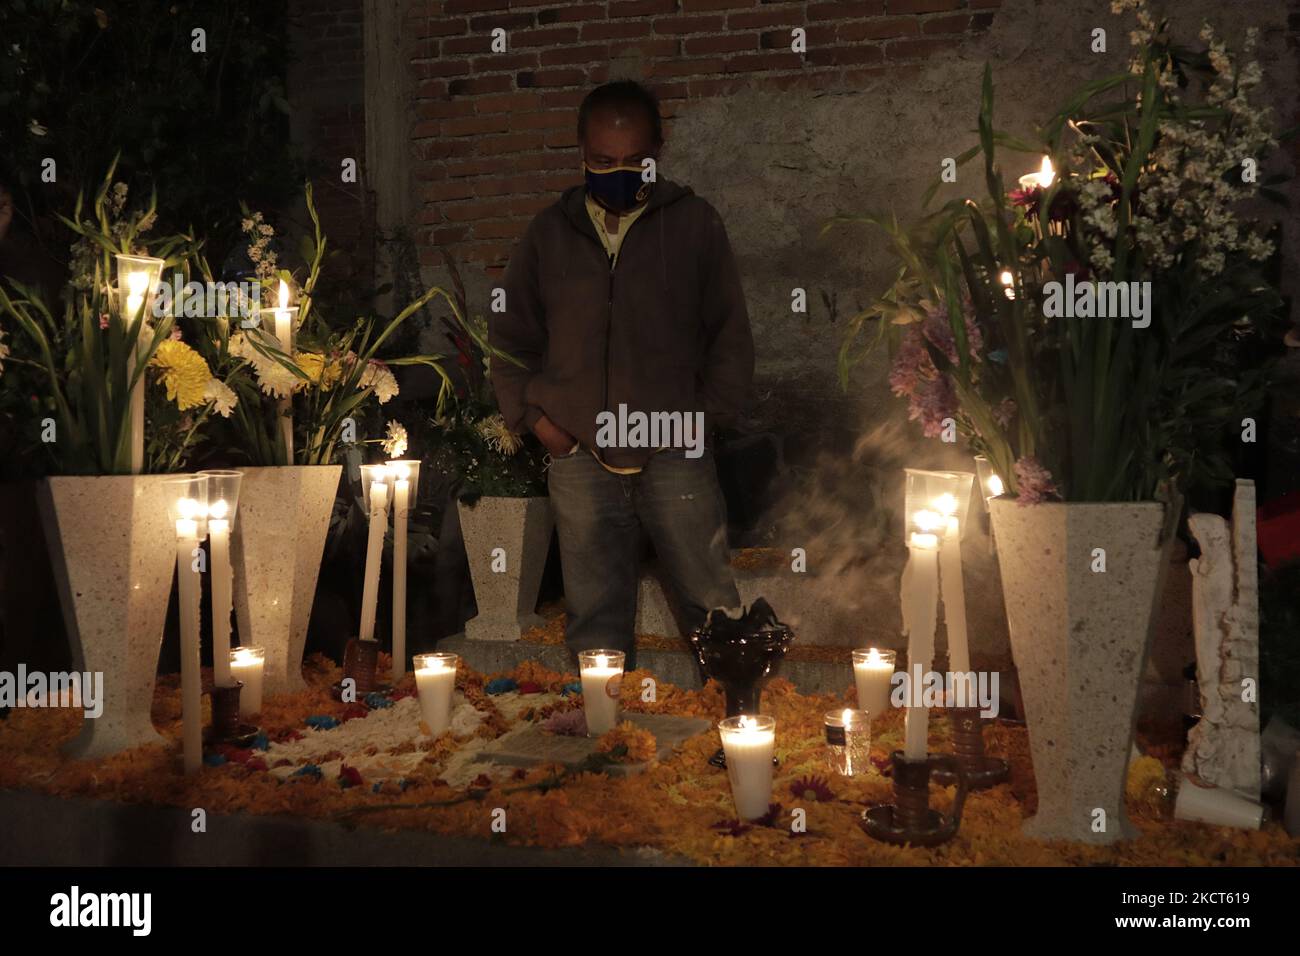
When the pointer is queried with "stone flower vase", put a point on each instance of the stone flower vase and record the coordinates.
(276, 550)
(1079, 637)
(506, 581)
(113, 551)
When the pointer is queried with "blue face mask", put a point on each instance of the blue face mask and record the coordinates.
(618, 189)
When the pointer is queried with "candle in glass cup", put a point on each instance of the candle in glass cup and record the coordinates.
(848, 740)
(435, 681)
(748, 742)
(248, 664)
(602, 682)
(873, 671)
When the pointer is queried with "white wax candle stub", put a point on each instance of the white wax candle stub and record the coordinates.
(920, 599)
(188, 610)
(248, 665)
(219, 541)
(748, 742)
(602, 677)
(873, 672)
(401, 489)
(435, 683)
(374, 559)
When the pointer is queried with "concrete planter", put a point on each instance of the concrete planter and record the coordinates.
(114, 554)
(506, 581)
(1079, 638)
(276, 549)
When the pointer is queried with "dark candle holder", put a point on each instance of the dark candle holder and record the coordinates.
(226, 726)
(982, 771)
(741, 655)
(909, 819)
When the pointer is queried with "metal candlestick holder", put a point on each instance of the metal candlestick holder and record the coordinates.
(226, 726)
(982, 771)
(909, 818)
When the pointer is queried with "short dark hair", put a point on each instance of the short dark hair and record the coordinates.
(622, 96)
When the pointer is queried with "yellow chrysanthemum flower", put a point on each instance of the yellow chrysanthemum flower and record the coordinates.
(323, 374)
(498, 436)
(184, 373)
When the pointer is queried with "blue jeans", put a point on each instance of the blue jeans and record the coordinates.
(599, 517)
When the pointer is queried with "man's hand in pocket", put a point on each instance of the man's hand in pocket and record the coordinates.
(557, 441)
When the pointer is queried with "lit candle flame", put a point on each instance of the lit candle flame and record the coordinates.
(284, 295)
(187, 508)
(928, 520)
(995, 486)
(137, 283)
(1009, 281)
(218, 509)
(946, 503)
(1046, 175)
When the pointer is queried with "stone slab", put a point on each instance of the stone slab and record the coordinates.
(531, 745)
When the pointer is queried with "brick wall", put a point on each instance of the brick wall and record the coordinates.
(494, 133)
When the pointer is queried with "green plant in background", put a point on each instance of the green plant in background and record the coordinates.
(332, 374)
(471, 452)
(1147, 187)
(82, 362)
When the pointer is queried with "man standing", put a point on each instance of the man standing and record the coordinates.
(623, 299)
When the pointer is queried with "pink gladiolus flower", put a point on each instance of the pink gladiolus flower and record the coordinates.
(1033, 482)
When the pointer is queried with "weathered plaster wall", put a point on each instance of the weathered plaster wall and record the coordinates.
(778, 164)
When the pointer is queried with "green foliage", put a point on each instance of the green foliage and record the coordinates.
(467, 455)
(87, 360)
(1112, 411)
(333, 373)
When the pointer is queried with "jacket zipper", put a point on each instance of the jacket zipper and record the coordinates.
(609, 327)
(609, 321)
